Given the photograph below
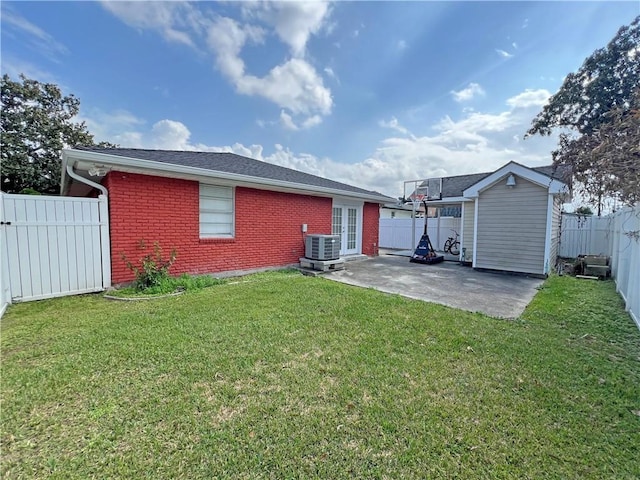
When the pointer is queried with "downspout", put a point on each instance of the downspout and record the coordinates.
(86, 181)
(103, 210)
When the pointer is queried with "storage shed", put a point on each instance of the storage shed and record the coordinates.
(510, 217)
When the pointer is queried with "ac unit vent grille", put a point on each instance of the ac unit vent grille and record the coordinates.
(322, 247)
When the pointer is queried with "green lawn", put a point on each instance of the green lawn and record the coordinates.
(286, 376)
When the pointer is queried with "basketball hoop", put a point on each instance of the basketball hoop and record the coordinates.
(422, 192)
(419, 193)
(434, 188)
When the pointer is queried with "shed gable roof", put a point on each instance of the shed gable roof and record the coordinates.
(535, 176)
(232, 164)
(453, 187)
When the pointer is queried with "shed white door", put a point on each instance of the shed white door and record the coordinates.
(55, 246)
(347, 222)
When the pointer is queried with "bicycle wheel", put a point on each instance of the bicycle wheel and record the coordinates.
(447, 245)
(455, 248)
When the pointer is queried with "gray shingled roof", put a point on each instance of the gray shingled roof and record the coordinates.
(454, 186)
(230, 163)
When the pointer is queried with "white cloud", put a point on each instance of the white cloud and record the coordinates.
(287, 121)
(312, 121)
(394, 125)
(293, 85)
(503, 53)
(116, 127)
(529, 98)
(169, 134)
(227, 38)
(329, 71)
(37, 38)
(476, 142)
(466, 94)
(293, 22)
(401, 45)
(168, 18)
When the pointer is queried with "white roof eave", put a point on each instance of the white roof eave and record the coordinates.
(149, 167)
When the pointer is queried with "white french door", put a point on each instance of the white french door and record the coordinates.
(346, 222)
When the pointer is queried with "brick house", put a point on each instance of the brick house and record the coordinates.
(221, 212)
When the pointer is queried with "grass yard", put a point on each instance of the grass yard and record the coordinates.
(286, 376)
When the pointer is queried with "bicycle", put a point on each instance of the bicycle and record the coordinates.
(452, 245)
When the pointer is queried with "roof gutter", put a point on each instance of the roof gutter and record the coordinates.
(172, 168)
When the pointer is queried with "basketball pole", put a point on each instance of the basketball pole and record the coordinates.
(414, 203)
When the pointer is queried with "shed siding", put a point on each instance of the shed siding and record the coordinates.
(512, 227)
(555, 231)
(165, 210)
(467, 230)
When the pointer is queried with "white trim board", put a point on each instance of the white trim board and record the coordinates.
(547, 239)
(475, 231)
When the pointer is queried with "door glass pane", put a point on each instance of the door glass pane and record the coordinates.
(336, 228)
(351, 228)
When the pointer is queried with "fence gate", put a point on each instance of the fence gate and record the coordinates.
(54, 246)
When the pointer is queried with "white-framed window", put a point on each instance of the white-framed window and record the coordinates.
(216, 211)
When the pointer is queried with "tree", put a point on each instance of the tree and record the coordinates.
(599, 105)
(37, 122)
(606, 163)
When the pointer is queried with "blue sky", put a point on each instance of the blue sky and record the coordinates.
(368, 93)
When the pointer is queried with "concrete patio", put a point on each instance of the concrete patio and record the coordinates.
(448, 283)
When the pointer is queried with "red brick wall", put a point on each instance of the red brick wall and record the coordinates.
(370, 228)
(267, 229)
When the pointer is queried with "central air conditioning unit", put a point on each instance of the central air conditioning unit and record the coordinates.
(322, 247)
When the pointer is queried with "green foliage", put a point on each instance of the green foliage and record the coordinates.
(152, 270)
(29, 191)
(37, 122)
(584, 210)
(168, 284)
(597, 107)
(608, 79)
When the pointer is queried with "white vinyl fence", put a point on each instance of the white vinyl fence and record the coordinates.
(396, 233)
(616, 235)
(625, 257)
(52, 246)
(584, 235)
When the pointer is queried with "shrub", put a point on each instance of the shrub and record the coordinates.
(29, 191)
(184, 282)
(152, 270)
